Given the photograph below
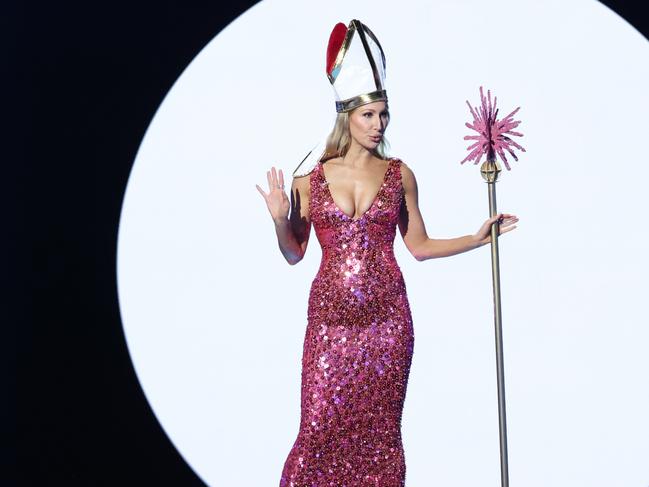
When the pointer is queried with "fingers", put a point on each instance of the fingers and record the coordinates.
(505, 222)
(275, 182)
(505, 230)
(274, 177)
(493, 219)
(261, 191)
(503, 218)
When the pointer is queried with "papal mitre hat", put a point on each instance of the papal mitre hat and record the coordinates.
(355, 66)
(356, 70)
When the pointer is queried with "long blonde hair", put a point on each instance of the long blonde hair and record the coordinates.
(340, 139)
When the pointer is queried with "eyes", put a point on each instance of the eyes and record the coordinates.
(370, 114)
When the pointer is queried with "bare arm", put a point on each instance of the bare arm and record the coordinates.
(413, 230)
(292, 232)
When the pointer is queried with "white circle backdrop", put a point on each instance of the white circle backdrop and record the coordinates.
(215, 318)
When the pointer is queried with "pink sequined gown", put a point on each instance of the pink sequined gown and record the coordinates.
(357, 349)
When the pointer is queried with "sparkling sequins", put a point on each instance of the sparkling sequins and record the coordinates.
(357, 350)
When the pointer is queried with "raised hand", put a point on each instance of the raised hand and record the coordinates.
(505, 220)
(276, 199)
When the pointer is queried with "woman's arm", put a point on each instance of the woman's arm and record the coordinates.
(413, 230)
(292, 232)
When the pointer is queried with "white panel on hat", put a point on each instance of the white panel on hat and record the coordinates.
(378, 59)
(356, 76)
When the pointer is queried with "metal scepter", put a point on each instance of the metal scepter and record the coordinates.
(493, 138)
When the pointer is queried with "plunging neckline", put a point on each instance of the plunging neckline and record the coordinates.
(376, 197)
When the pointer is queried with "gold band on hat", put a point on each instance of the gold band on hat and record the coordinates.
(357, 101)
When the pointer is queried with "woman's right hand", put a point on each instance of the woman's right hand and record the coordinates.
(276, 199)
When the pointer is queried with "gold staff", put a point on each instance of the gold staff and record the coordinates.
(490, 170)
(493, 138)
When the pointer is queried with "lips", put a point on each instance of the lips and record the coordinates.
(376, 138)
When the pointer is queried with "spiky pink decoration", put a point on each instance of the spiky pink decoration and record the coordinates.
(493, 134)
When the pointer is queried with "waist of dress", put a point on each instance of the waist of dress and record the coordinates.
(355, 263)
(360, 248)
(379, 238)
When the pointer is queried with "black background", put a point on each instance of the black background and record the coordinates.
(81, 84)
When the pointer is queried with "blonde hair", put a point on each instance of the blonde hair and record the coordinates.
(340, 139)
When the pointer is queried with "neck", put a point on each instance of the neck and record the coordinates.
(357, 155)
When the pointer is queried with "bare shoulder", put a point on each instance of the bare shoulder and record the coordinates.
(407, 176)
(301, 184)
(333, 161)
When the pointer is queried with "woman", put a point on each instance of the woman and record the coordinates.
(359, 339)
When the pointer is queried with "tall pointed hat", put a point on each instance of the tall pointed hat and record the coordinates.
(355, 66)
(356, 70)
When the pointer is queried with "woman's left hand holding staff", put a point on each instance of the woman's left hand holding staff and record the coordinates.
(506, 223)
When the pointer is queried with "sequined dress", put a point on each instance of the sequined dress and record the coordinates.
(358, 347)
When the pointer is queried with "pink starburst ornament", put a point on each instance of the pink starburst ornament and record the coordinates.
(493, 134)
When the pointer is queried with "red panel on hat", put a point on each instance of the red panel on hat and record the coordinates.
(335, 42)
